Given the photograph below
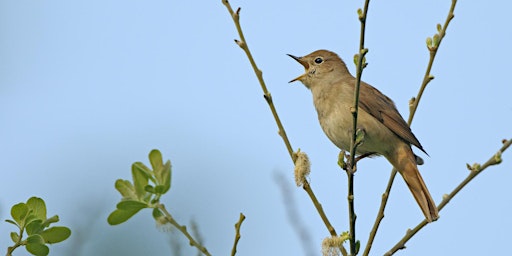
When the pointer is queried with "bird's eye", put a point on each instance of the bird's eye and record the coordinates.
(318, 60)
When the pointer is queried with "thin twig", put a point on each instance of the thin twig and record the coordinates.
(353, 145)
(493, 160)
(266, 94)
(237, 235)
(183, 229)
(380, 214)
(18, 243)
(433, 51)
(413, 107)
(319, 208)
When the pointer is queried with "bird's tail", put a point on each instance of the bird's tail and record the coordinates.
(404, 161)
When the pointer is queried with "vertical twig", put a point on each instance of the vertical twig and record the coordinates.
(353, 145)
(432, 46)
(237, 235)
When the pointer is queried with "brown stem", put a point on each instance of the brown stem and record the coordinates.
(493, 160)
(413, 107)
(266, 94)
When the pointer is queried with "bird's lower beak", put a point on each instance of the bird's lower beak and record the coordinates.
(303, 63)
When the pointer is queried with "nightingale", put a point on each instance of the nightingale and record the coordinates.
(385, 131)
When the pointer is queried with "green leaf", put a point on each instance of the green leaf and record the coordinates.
(19, 212)
(51, 220)
(360, 134)
(31, 217)
(140, 180)
(159, 217)
(160, 189)
(150, 189)
(35, 245)
(55, 234)
(38, 207)
(126, 189)
(131, 205)
(35, 227)
(38, 249)
(360, 13)
(143, 168)
(429, 42)
(155, 158)
(356, 59)
(15, 237)
(436, 40)
(163, 176)
(157, 213)
(12, 222)
(35, 239)
(120, 216)
(341, 160)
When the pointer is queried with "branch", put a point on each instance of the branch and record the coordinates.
(266, 94)
(237, 235)
(433, 46)
(183, 229)
(361, 64)
(475, 170)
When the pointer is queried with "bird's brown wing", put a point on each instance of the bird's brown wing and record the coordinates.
(383, 109)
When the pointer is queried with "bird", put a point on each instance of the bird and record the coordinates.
(385, 131)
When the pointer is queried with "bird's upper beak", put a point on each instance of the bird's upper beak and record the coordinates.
(303, 63)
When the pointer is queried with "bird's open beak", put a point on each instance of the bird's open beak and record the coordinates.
(303, 63)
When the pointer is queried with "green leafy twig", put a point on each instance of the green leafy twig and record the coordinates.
(30, 217)
(242, 43)
(432, 46)
(237, 235)
(143, 194)
(475, 169)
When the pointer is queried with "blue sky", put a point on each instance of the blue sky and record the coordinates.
(89, 87)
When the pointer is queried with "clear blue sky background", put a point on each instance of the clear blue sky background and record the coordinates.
(89, 87)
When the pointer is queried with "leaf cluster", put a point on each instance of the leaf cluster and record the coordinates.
(30, 218)
(144, 191)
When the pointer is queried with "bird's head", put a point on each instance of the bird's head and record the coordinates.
(321, 65)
